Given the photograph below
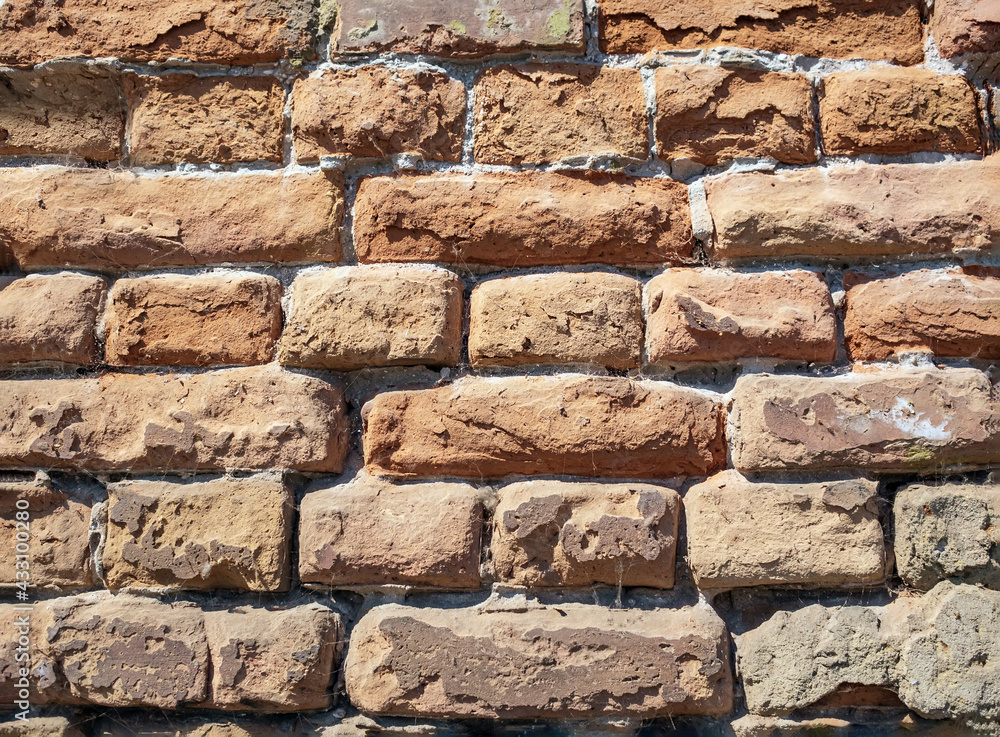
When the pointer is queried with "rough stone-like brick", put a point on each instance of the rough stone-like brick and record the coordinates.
(52, 216)
(965, 27)
(273, 660)
(179, 118)
(53, 726)
(15, 631)
(179, 320)
(211, 31)
(716, 315)
(859, 210)
(948, 531)
(71, 109)
(555, 533)
(710, 114)
(557, 318)
(50, 317)
(219, 725)
(889, 110)
(947, 313)
(353, 317)
(223, 533)
(236, 418)
(868, 722)
(522, 219)
(742, 533)
(543, 113)
(577, 425)
(59, 526)
(572, 661)
(376, 112)
(371, 532)
(882, 30)
(899, 419)
(457, 28)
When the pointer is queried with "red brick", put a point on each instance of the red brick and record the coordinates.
(965, 27)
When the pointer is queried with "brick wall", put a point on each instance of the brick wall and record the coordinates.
(424, 367)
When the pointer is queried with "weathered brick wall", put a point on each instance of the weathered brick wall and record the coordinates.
(418, 367)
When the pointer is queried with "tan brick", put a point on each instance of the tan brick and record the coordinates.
(947, 313)
(371, 532)
(218, 725)
(235, 418)
(522, 219)
(54, 726)
(716, 315)
(211, 31)
(889, 110)
(902, 420)
(576, 425)
(50, 318)
(742, 533)
(273, 660)
(178, 320)
(965, 27)
(557, 662)
(353, 317)
(557, 318)
(456, 28)
(538, 114)
(710, 114)
(15, 631)
(555, 533)
(121, 220)
(376, 112)
(223, 533)
(180, 118)
(859, 210)
(882, 30)
(69, 109)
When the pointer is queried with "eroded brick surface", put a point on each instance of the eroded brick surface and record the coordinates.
(966, 27)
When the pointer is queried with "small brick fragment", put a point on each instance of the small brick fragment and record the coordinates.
(488, 664)
(179, 320)
(225, 533)
(354, 317)
(557, 318)
(554, 533)
(742, 533)
(965, 27)
(178, 118)
(376, 112)
(716, 315)
(710, 114)
(50, 317)
(54, 726)
(522, 219)
(539, 114)
(371, 532)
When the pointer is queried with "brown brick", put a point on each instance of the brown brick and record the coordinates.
(273, 660)
(538, 114)
(892, 420)
(50, 317)
(859, 210)
(183, 118)
(947, 313)
(378, 111)
(235, 418)
(178, 320)
(371, 532)
(965, 27)
(577, 425)
(456, 28)
(554, 533)
(353, 317)
(223, 533)
(69, 109)
(742, 533)
(557, 318)
(882, 30)
(710, 114)
(522, 219)
(211, 31)
(716, 315)
(121, 220)
(888, 110)
(557, 662)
